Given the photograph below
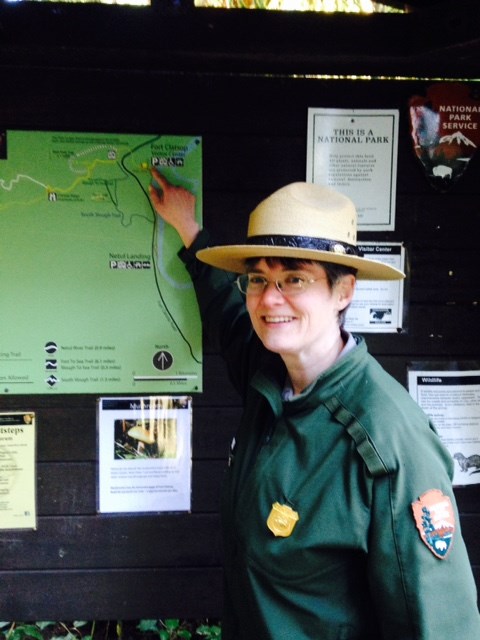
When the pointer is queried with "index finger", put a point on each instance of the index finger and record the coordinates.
(161, 180)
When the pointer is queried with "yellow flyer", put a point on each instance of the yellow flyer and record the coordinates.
(17, 470)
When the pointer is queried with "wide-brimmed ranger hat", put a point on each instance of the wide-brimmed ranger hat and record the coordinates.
(304, 221)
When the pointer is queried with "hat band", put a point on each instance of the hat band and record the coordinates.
(307, 242)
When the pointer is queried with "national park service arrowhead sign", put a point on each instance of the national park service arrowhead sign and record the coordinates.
(445, 130)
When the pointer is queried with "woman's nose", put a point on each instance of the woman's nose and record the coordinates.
(272, 291)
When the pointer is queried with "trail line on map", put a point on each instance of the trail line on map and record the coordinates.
(158, 268)
(19, 177)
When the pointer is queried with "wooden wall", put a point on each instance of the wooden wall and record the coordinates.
(81, 565)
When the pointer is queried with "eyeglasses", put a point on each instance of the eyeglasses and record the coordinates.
(290, 285)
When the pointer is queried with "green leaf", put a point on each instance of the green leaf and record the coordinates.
(25, 630)
(16, 634)
(147, 625)
(33, 631)
(210, 632)
(172, 623)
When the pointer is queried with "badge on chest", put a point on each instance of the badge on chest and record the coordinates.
(282, 520)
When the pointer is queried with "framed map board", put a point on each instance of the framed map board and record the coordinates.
(94, 297)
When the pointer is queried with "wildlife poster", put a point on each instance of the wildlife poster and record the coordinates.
(451, 398)
(94, 296)
(144, 454)
(355, 151)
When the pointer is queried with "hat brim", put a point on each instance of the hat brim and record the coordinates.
(232, 258)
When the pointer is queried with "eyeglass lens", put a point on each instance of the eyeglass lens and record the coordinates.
(255, 284)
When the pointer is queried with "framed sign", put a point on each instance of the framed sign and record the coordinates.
(18, 508)
(144, 453)
(354, 151)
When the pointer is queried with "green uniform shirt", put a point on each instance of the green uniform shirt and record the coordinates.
(345, 461)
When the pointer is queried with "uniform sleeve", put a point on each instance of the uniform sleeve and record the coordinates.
(419, 571)
(225, 320)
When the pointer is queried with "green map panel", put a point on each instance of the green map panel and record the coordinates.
(93, 296)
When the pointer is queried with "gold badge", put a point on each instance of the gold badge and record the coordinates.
(282, 520)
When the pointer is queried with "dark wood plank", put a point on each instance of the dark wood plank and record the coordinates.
(70, 488)
(114, 542)
(124, 594)
(471, 533)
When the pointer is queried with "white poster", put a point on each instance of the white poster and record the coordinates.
(452, 400)
(355, 152)
(144, 454)
(377, 306)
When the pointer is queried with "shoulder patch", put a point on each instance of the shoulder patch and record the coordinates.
(435, 520)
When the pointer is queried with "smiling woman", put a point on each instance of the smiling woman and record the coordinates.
(331, 453)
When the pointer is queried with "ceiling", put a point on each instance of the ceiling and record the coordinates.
(435, 38)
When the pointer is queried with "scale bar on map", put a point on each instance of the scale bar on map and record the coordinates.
(148, 378)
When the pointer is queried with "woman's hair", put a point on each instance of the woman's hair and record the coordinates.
(334, 272)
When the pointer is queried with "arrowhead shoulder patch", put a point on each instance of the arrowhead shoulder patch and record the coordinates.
(435, 521)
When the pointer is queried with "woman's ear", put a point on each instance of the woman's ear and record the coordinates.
(345, 289)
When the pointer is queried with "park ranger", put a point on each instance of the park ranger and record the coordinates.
(338, 513)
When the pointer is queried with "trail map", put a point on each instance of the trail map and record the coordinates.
(94, 298)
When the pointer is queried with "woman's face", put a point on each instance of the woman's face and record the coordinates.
(304, 324)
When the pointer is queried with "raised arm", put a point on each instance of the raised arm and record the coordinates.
(176, 206)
